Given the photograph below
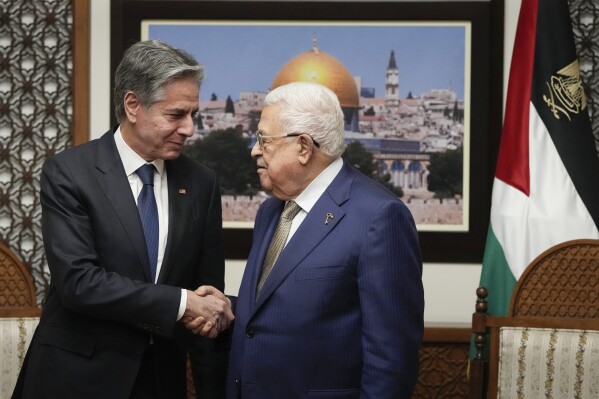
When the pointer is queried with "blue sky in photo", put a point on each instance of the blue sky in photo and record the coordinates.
(248, 57)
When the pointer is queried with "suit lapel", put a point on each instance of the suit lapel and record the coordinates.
(315, 227)
(178, 208)
(271, 213)
(113, 181)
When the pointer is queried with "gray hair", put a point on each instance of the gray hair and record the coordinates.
(313, 109)
(147, 67)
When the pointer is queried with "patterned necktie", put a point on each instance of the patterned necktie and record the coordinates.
(148, 212)
(278, 241)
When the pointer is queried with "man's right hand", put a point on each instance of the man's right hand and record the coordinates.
(208, 312)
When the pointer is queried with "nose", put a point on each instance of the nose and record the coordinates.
(256, 150)
(187, 126)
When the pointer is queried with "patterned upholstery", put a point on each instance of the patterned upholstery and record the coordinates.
(548, 344)
(15, 335)
(548, 363)
(19, 316)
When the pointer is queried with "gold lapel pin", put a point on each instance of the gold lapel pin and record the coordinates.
(329, 216)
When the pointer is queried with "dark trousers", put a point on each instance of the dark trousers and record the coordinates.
(146, 384)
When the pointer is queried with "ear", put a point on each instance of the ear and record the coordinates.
(306, 150)
(132, 106)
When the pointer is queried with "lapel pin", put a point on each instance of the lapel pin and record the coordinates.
(182, 191)
(329, 216)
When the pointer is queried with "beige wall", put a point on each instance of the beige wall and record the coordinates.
(449, 288)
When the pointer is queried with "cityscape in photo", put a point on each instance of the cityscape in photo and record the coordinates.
(403, 88)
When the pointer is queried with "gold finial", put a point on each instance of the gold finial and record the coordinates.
(315, 43)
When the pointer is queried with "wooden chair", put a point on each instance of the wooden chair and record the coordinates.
(548, 344)
(17, 293)
(19, 316)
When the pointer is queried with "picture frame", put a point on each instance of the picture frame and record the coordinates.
(485, 19)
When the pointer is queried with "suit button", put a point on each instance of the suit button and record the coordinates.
(249, 332)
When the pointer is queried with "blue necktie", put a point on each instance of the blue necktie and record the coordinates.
(148, 212)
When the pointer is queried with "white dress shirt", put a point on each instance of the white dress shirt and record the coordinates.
(312, 193)
(132, 161)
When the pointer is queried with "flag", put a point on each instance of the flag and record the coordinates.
(546, 186)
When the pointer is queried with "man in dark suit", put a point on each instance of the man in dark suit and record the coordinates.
(123, 282)
(340, 314)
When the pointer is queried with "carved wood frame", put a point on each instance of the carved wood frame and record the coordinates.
(81, 73)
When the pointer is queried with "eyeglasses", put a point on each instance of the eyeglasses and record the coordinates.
(262, 139)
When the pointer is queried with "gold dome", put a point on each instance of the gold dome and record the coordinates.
(317, 66)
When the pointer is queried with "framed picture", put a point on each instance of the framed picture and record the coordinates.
(419, 82)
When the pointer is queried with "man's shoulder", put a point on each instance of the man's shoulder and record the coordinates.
(83, 152)
(370, 187)
(190, 165)
(368, 195)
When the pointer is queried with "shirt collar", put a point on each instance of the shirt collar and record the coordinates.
(312, 193)
(131, 160)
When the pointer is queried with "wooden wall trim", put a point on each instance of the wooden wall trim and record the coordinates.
(81, 71)
(454, 332)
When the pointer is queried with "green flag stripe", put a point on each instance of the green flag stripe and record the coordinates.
(496, 276)
(498, 279)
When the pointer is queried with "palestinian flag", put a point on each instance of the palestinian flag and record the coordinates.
(546, 187)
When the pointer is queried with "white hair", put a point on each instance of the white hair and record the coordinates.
(313, 109)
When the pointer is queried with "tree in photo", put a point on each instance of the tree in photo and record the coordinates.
(227, 153)
(446, 173)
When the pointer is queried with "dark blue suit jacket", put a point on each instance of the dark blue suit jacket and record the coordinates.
(341, 314)
(101, 306)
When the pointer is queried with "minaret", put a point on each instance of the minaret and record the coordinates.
(392, 83)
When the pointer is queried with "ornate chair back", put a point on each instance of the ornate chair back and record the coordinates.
(548, 344)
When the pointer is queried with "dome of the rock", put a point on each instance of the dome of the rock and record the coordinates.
(317, 66)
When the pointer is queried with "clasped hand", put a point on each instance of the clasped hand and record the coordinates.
(208, 312)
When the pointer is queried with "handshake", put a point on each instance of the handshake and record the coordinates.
(208, 312)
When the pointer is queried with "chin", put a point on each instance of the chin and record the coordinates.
(266, 188)
(171, 155)
(265, 183)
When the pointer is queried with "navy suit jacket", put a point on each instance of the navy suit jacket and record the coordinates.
(341, 314)
(101, 307)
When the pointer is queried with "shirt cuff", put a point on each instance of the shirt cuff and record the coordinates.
(183, 304)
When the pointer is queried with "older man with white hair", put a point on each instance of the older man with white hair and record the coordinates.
(331, 303)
